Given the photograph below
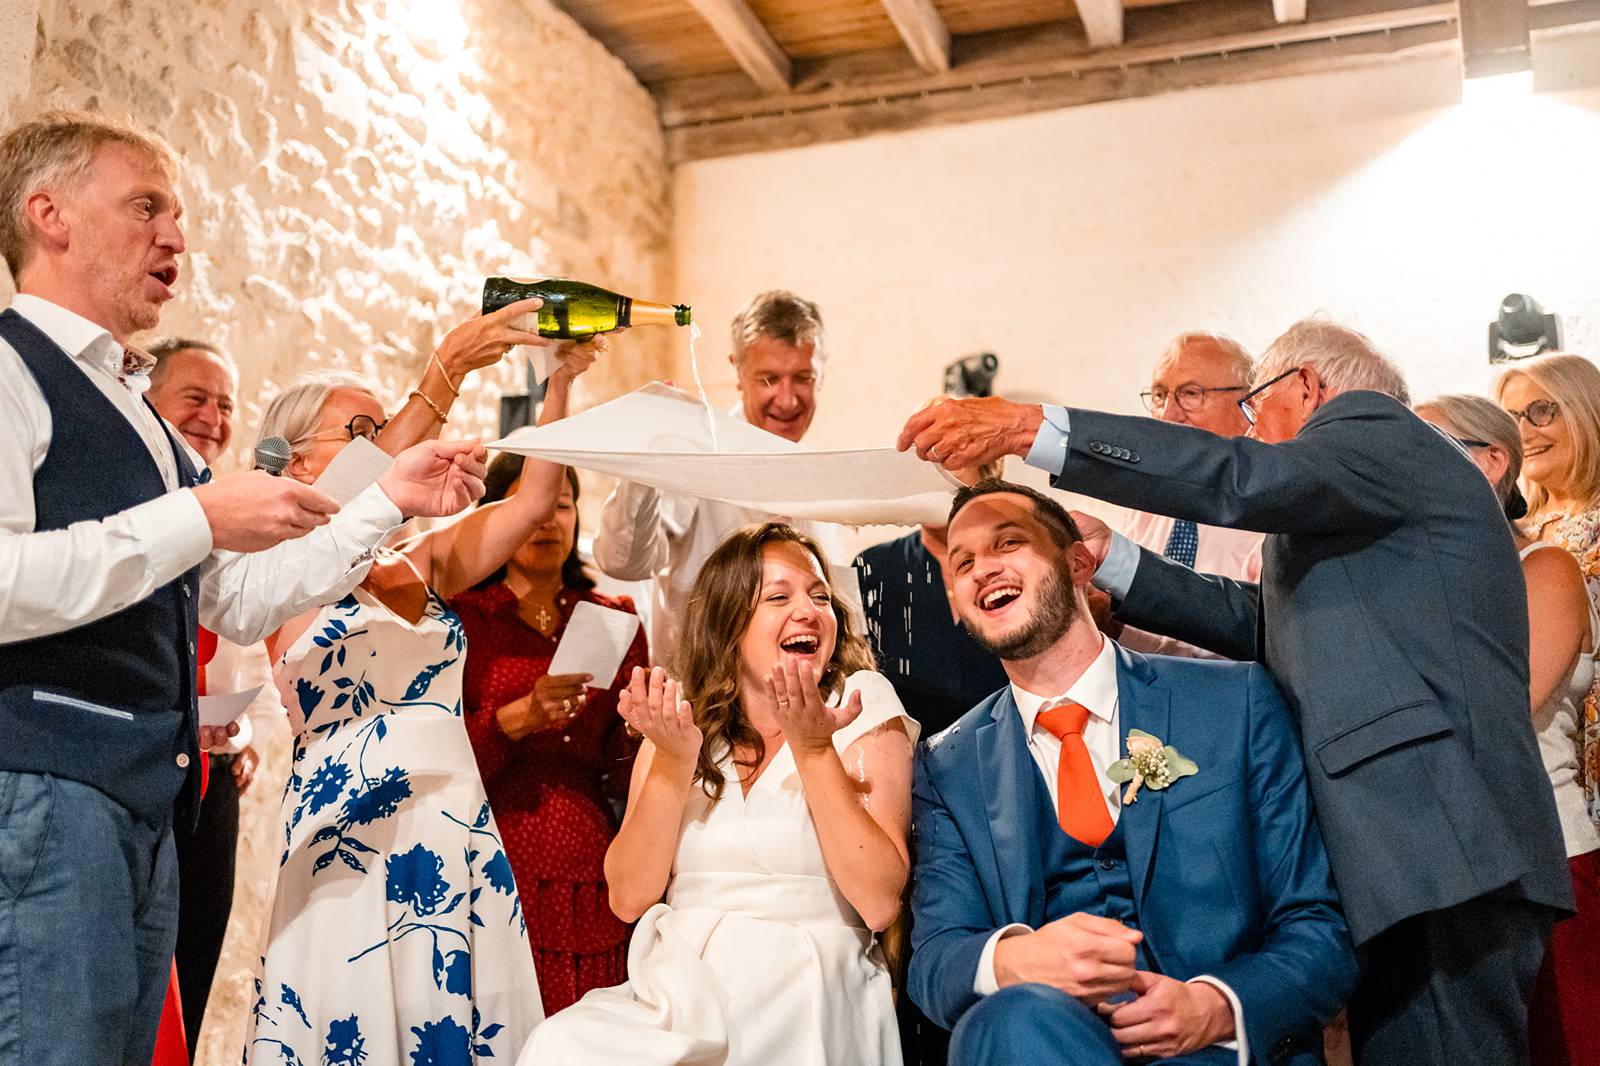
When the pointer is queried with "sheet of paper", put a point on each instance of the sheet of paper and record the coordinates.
(596, 641)
(220, 710)
(658, 436)
(357, 466)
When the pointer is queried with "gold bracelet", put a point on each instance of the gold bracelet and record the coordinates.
(446, 375)
(419, 394)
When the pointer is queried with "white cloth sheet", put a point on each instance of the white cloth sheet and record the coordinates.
(661, 437)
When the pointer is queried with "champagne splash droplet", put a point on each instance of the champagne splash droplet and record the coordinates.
(694, 368)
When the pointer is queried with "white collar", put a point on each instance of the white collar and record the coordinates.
(1095, 689)
(77, 336)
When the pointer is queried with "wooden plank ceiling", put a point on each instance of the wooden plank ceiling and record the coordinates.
(747, 75)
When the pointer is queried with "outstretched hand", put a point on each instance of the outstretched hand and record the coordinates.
(651, 705)
(436, 478)
(576, 358)
(483, 340)
(1096, 535)
(960, 434)
(808, 723)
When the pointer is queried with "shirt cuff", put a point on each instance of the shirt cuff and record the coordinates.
(1049, 451)
(174, 532)
(1240, 1042)
(371, 515)
(985, 983)
(1115, 574)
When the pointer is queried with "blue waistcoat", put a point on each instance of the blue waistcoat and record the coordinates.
(1080, 878)
(112, 703)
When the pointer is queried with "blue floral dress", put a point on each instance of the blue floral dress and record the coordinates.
(396, 936)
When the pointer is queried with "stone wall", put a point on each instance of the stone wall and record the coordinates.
(353, 169)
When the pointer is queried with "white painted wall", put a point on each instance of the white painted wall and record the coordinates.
(1074, 243)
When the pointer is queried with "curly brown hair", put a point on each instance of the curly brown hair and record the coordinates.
(721, 605)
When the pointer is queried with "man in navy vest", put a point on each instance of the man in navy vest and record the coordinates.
(1115, 855)
(113, 548)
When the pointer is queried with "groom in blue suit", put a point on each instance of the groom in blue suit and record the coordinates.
(1064, 915)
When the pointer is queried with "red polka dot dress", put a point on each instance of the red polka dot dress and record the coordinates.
(551, 791)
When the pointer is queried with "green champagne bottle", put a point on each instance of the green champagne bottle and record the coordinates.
(576, 310)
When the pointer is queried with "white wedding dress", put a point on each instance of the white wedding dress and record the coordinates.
(755, 958)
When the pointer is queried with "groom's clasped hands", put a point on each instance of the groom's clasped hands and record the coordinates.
(1093, 959)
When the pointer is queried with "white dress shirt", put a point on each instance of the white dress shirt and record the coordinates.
(1096, 691)
(665, 538)
(57, 580)
(1234, 553)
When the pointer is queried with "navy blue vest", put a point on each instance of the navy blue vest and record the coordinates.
(1080, 878)
(112, 703)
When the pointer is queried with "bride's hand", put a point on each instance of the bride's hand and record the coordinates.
(650, 704)
(807, 722)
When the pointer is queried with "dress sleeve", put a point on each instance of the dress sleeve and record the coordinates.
(879, 704)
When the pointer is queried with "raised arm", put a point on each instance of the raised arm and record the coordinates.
(458, 556)
(862, 814)
(638, 863)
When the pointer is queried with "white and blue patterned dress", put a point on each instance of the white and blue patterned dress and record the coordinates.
(396, 936)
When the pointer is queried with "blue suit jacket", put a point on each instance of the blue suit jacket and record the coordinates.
(1229, 873)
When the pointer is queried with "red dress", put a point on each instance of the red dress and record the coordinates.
(550, 791)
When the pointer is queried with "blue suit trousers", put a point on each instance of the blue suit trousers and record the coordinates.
(88, 919)
(1039, 1025)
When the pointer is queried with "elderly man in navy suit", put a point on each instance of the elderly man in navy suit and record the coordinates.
(1392, 611)
(1116, 856)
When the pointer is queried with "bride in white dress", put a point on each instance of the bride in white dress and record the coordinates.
(764, 843)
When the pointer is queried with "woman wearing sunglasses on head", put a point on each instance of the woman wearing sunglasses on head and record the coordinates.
(396, 933)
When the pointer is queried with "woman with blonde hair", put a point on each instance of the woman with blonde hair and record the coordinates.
(396, 933)
(1564, 626)
(764, 842)
(1556, 402)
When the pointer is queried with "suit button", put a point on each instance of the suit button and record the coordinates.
(1107, 864)
(182, 760)
(191, 648)
(1133, 457)
(186, 592)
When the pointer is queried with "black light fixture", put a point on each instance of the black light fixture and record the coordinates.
(1522, 329)
(972, 375)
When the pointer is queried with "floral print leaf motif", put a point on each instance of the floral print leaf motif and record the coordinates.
(1149, 762)
(344, 1046)
(415, 878)
(455, 976)
(419, 684)
(498, 871)
(481, 1034)
(442, 1043)
(378, 799)
(326, 785)
(309, 696)
(292, 999)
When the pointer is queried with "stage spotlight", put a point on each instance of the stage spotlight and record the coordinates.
(1522, 329)
(972, 375)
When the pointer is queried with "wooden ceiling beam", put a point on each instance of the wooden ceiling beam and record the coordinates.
(1289, 10)
(1102, 22)
(1017, 73)
(1154, 34)
(752, 46)
(923, 30)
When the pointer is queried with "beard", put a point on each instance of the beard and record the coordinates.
(1049, 622)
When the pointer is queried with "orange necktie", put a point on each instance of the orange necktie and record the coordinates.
(1080, 807)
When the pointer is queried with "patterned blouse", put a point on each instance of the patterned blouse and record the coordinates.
(1579, 534)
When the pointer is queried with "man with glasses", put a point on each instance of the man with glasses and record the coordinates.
(1391, 609)
(1197, 383)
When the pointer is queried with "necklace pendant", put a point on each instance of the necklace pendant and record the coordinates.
(544, 619)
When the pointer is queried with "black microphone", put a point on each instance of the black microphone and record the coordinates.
(272, 455)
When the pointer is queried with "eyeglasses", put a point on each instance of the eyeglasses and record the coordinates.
(1539, 413)
(1190, 396)
(1245, 403)
(359, 426)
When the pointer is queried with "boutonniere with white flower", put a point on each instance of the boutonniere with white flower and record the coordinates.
(1149, 762)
